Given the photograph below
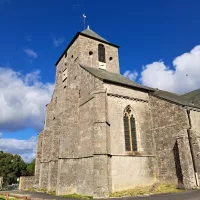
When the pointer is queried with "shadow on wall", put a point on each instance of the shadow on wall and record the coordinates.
(178, 166)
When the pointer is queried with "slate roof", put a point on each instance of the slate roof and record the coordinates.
(91, 33)
(179, 99)
(118, 79)
(193, 97)
(87, 33)
(115, 78)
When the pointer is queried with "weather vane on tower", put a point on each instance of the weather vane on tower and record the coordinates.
(84, 18)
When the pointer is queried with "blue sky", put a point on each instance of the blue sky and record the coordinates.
(158, 46)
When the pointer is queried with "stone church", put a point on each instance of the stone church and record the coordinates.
(105, 133)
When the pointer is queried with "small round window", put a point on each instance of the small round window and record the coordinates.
(90, 53)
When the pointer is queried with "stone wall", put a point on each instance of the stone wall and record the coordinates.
(66, 182)
(81, 100)
(26, 182)
(169, 126)
(38, 159)
(48, 153)
(130, 171)
(195, 134)
(87, 45)
(44, 173)
(46, 158)
(84, 178)
(1, 182)
(118, 99)
(67, 142)
(125, 173)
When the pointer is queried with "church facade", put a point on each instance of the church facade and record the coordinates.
(104, 133)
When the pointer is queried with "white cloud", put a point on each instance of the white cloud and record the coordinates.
(184, 76)
(1, 135)
(130, 75)
(25, 148)
(23, 100)
(31, 53)
(58, 41)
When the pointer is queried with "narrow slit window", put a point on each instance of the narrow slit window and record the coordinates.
(101, 52)
(130, 130)
(64, 75)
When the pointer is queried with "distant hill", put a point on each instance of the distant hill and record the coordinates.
(193, 97)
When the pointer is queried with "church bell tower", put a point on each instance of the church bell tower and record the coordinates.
(92, 50)
(97, 52)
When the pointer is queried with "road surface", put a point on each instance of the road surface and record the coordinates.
(188, 195)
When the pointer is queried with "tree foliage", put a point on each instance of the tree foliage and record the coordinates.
(13, 166)
(31, 168)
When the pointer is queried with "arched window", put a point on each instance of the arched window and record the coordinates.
(101, 52)
(129, 130)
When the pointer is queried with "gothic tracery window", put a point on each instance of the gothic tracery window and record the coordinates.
(101, 52)
(130, 130)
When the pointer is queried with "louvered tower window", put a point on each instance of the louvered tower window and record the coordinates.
(130, 130)
(101, 51)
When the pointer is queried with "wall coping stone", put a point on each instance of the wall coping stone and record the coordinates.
(127, 97)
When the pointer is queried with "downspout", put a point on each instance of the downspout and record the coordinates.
(192, 148)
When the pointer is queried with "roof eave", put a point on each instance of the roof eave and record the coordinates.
(83, 34)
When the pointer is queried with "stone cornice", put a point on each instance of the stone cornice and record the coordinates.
(191, 108)
(127, 97)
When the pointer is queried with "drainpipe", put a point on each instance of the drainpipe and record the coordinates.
(192, 148)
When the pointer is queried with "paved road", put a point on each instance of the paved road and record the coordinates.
(37, 195)
(189, 195)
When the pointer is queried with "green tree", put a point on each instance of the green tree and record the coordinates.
(31, 168)
(11, 167)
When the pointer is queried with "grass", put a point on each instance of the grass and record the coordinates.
(51, 192)
(11, 198)
(77, 196)
(146, 190)
(44, 190)
(167, 188)
(31, 189)
(139, 190)
(157, 188)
